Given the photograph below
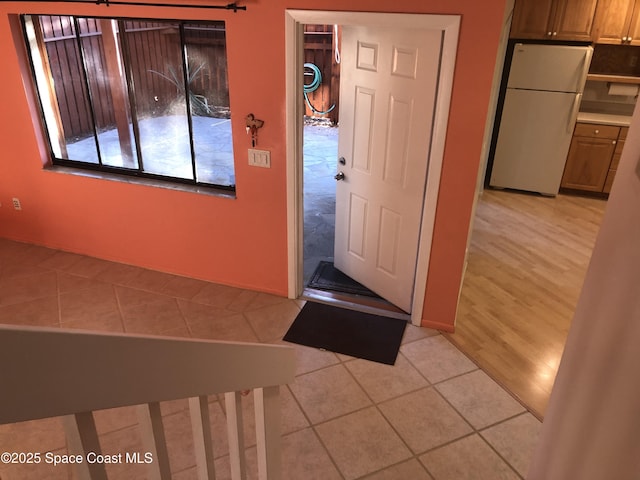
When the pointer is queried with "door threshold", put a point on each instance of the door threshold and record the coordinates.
(355, 302)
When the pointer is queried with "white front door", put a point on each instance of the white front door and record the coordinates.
(389, 83)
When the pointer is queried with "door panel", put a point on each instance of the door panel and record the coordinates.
(574, 20)
(397, 155)
(634, 26)
(387, 97)
(361, 153)
(612, 20)
(357, 225)
(390, 223)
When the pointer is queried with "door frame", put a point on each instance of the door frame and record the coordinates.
(449, 25)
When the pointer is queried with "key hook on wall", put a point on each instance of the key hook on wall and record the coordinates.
(253, 124)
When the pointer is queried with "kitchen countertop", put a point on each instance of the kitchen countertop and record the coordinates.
(604, 118)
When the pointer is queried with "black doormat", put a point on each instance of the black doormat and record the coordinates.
(328, 277)
(357, 334)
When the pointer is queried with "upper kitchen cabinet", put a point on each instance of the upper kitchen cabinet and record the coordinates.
(617, 22)
(553, 19)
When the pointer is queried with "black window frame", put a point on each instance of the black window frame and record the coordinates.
(125, 171)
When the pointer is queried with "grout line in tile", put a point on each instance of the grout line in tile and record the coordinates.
(426, 468)
(480, 433)
(457, 375)
(311, 423)
(492, 377)
(359, 409)
(415, 454)
(119, 429)
(435, 384)
(184, 318)
(319, 438)
(500, 456)
(377, 407)
(373, 405)
(447, 443)
(414, 457)
(120, 312)
(58, 300)
(304, 414)
(495, 424)
(253, 330)
(424, 376)
(474, 431)
(452, 406)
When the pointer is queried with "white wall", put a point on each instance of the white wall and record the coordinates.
(592, 427)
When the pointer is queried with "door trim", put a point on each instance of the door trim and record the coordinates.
(449, 25)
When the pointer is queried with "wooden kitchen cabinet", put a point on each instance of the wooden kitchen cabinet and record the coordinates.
(593, 156)
(633, 37)
(531, 18)
(616, 160)
(553, 19)
(617, 22)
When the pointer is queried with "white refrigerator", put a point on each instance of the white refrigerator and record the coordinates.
(539, 113)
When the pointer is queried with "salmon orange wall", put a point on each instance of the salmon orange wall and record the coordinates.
(242, 241)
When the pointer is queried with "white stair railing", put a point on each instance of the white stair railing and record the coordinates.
(71, 373)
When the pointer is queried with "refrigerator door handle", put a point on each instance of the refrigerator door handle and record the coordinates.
(574, 113)
(585, 66)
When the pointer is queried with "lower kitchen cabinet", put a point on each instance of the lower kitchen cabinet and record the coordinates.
(616, 160)
(593, 157)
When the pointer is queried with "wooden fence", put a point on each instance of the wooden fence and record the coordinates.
(154, 56)
(66, 70)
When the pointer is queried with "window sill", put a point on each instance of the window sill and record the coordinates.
(148, 182)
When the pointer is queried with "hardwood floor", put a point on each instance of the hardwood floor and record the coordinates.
(527, 261)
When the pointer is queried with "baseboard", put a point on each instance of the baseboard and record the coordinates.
(444, 327)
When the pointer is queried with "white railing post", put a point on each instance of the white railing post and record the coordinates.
(82, 438)
(202, 442)
(267, 407)
(153, 439)
(235, 434)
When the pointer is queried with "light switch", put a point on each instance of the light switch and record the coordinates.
(260, 158)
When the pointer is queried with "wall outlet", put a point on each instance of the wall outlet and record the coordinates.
(260, 158)
(16, 203)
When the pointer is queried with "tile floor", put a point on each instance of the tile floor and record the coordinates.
(433, 415)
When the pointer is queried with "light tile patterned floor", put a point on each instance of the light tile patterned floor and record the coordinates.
(434, 415)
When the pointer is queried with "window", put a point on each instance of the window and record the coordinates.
(138, 97)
